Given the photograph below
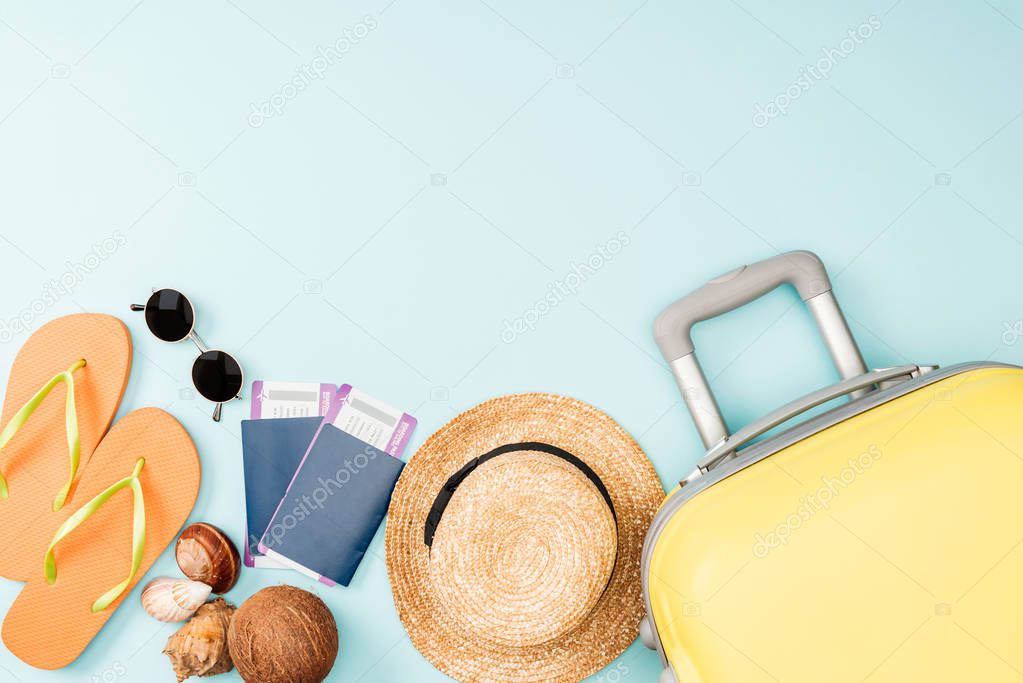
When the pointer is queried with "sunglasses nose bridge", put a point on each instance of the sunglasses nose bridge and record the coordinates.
(198, 341)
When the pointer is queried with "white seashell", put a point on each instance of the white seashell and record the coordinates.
(170, 599)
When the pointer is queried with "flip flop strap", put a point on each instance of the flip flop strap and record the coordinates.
(70, 422)
(138, 534)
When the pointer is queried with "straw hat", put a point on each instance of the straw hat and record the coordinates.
(514, 541)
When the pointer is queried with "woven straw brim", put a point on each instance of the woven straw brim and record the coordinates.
(523, 569)
(598, 636)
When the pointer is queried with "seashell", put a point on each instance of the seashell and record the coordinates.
(199, 648)
(205, 553)
(171, 600)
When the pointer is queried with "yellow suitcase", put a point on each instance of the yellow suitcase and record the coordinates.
(880, 541)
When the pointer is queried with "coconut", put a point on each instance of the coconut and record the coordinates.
(283, 634)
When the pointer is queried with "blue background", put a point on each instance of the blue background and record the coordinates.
(461, 157)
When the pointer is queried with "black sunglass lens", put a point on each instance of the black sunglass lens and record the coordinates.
(169, 315)
(217, 376)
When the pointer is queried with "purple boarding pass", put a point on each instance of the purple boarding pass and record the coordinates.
(290, 399)
(373, 421)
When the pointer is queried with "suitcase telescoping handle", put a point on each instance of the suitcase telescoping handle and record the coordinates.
(672, 330)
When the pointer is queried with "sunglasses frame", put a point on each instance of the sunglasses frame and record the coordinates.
(202, 346)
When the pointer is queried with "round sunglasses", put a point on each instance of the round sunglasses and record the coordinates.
(216, 375)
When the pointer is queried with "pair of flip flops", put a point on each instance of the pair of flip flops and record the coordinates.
(85, 509)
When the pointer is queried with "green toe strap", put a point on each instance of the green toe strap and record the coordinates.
(70, 422)
(138, 534)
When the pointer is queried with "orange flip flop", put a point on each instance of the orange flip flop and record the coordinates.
(131, 502)
(39, 459)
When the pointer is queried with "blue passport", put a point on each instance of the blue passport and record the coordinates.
(271, 453)
(332, 508)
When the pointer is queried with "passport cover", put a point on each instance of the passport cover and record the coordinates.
(271, 452)
(333, 506)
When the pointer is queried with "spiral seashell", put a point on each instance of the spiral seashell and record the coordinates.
(206, 554)
(170, 600)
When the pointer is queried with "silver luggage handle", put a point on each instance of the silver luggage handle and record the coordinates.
(727, 446)
(672, 330)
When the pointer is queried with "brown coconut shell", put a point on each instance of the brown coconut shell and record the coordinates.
(283, 634)
(199, 648)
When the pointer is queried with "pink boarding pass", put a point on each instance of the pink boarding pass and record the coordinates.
(290, 399)
(371, 420)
